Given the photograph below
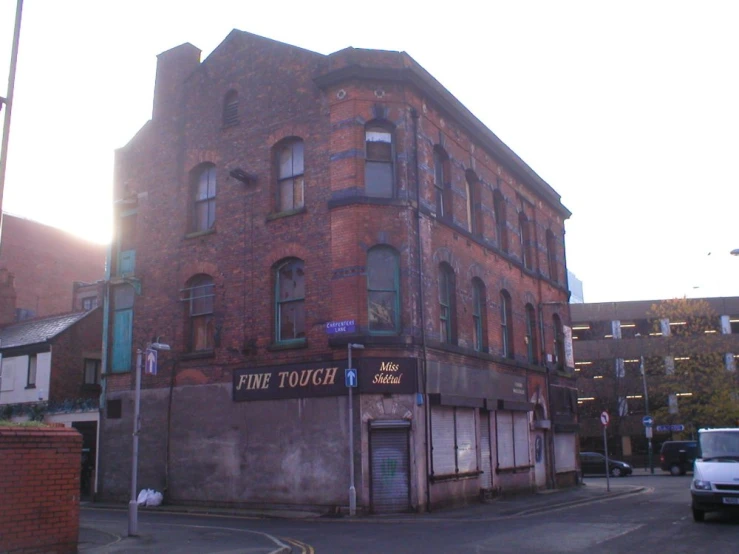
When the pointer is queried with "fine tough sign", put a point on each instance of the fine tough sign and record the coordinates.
(604, 418)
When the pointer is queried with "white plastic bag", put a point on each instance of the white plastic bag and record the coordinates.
(143, 495)
(149, 497)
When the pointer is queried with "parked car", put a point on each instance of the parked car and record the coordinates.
(593, 463)
(677, 457)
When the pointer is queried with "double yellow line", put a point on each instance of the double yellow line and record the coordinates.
(304, 548)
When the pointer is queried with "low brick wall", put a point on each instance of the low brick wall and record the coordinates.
(39, 489)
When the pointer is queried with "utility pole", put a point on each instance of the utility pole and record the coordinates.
(7, 103)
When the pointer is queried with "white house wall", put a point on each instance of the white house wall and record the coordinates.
(15, 378)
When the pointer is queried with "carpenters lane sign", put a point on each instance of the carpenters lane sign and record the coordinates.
(376, 376)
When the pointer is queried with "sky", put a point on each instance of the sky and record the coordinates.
(629, 110)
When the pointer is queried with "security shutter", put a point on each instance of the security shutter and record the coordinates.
(521, 438)
(390, 469)
(442, 440)
(486, 479)
(466, 440)
(504, 434)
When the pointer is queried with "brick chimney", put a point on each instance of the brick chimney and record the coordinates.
(7, 297)
(173, 67)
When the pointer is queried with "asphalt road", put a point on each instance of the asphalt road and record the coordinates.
(656, 520)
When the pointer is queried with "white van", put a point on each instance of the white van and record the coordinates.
(715, 484)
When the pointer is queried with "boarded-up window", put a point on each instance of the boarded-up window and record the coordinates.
(442, 440)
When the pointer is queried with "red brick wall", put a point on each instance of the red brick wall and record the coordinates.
(46, 262)
(39, 488)
(68, 353)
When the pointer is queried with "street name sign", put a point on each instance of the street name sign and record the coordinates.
(333, 327)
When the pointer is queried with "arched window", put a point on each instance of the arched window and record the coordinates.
(379, 172)
(290, 301)
(442, 184)
(552, 255)
(474, 204)
(290, 182)
(524, 232)
(559, 342)
(447, 293)
(506, 324)
(500, 219)
(479, 316)
(203, 197)
(383, 290)
(531, 343)
(231, 108)
(199, 295)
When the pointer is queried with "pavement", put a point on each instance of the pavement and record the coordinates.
(99, 535)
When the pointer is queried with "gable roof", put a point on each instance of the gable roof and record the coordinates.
(35, 331)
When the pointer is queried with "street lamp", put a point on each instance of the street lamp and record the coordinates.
(133, 506)
(352, 490)
(648, 430)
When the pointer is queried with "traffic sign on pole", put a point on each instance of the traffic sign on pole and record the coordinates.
(151, 361)
(604, 418)
(647, 421)
(350, 377)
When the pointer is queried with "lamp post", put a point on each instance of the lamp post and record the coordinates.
(133, 506)
(352, 490)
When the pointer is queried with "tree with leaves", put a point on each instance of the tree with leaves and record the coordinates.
(691, 384)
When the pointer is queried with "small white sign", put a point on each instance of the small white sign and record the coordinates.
(604, 418)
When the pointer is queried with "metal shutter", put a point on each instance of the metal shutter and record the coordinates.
(390, 470)
(466, 440)
(504, 434)
(521, 438)
(486, 479)
(442, 440)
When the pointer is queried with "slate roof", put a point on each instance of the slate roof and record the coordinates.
(34, 331)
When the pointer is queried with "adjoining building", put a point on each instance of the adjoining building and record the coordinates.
(51, 372)
(39, 266)
(614, 342)
(284, 211)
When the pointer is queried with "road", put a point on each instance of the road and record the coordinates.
(656, 520)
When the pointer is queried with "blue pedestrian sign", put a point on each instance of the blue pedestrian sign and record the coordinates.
(350, 377)
(151, 361)
(647, 421)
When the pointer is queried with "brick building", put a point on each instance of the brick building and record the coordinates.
(623, 351)
(41, 265)
(282, 205)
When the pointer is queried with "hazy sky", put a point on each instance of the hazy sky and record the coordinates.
(630, 110)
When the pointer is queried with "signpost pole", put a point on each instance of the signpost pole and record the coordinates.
(352, 489)
(604, 418)
(608, 473)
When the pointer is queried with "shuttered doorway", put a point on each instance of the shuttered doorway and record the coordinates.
(390, 467)
(486, 479)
